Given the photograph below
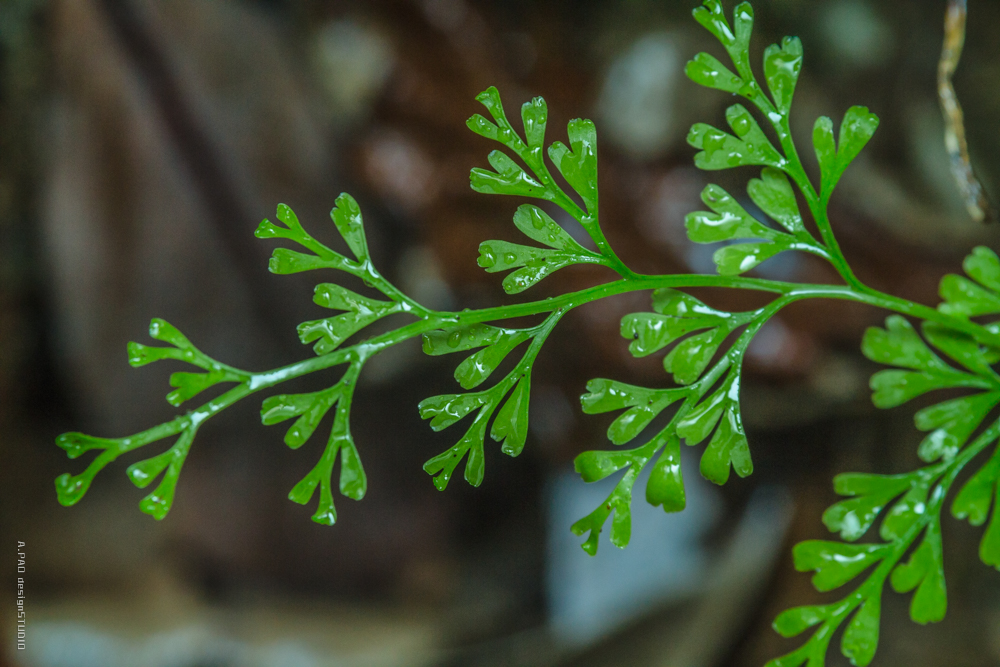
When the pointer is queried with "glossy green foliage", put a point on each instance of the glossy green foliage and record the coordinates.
(702, 349)
(951, 422)
(747, 145)
(856, 130)
(71, 488)
(676, 316)
(328, 335)
(696, 331)
(511, 395)
(979, 296)
(900, 345)
(533, 263)
(729, 221)
(595, 465)
(577, 163)
(909, 504)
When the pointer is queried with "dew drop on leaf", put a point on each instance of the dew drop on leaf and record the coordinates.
(486, 257)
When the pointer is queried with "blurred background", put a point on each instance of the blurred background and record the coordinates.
(140, 144)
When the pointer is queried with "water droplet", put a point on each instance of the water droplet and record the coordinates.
(741, 125)
(714, 141)
(537, 222)
(510, 258)
(487, 259)
(454, 339)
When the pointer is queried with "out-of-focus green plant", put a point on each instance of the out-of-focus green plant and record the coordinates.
(952, 349)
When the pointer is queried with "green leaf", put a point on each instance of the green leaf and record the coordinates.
(965, 298)
(143, 473)
(162, 330)
(287, 216)
(75, 444)
(952, 423)
(974, 500)
(501, 131)
(189, 385)
(183, 350)
(721, 150)
(619, 502)
(782, 65)
(329, 332)
(535, 115)
(460, 339)
(353, 481)
(140, 355)
(71, 488)
(728, 446)
(925, 572)
(736, 259)
(268, 230)
(773, 194)
(651, 332)
(729, 220)
(861, 636)
(605, 395)
(989, 547)
(856, 130)
(578, 163)
(835, 563)
(538, 226)
(666, 483)
(346, 216)
(284, 261)
(497, 256)
(337, 297)
(713, 19)
(983, 266)
(668, 301)
(507, 179)
(899, 345)
(537, 262)
(706, 70)
(158, 503)
(906, 511)
(319, 476)
(871, 493)
(646, 404)
(443, 465)
(793, 622)
(484, 128)
(595, 465)
(475, 369)
(960, 347)
(446, 409)
(511, 425)
(689, 358)
(311, 407)
(303, 492)
(702, 418)
(893, 388)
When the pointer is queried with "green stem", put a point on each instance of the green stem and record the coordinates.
(436, 320)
